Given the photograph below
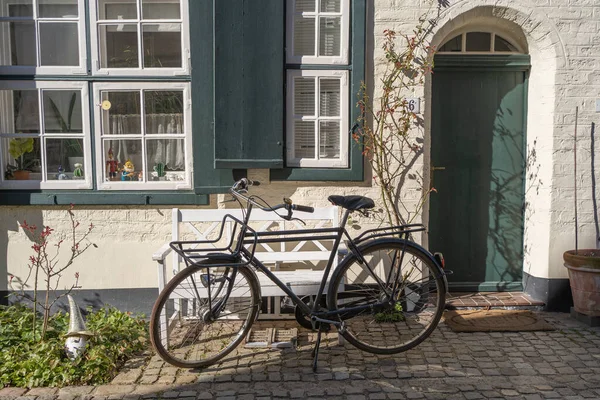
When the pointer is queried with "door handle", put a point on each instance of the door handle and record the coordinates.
(433, 169)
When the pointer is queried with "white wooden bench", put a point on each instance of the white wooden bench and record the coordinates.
(309, 255)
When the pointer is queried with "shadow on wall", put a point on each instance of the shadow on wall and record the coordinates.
(11, 220)
(16, 244)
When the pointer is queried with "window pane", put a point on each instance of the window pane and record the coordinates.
(64, 159)
(454, 44)
(166, 10)
(18, 43)
(20, 111)
(304, 139)
(59, 52)
(479, 41)
(121, 113)
(66, 9)
(304, 36)
(331, 5)
(62, 111)
(305, 5)
(304, 96)
(119, 46)
(162, 45)
(116, 155)
(330, 36)
(25, 9)
(23, 155)
(164, 112)
(165, 160)
(329, 98)
(501, 44)
(329, 139)
(124, 9)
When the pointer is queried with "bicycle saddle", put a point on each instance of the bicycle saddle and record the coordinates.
(352, 203)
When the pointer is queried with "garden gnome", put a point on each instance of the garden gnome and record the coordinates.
(128, 173)
(77, 335)
(111, 166)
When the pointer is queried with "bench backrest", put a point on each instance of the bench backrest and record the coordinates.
(204, 224)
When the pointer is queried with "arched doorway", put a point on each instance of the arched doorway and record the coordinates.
(478, 157)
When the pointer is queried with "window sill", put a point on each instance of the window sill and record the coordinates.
(101, 198)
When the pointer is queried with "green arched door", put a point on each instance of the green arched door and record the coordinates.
(478, 160)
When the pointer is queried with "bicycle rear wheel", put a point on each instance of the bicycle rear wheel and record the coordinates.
(391, 302)
(203, 313)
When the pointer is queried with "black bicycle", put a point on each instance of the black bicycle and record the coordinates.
(386, 296)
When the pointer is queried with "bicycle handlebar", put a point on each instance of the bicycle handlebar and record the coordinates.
(306, 209)
(243, 185)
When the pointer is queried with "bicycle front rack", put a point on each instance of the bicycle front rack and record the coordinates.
(194, 252)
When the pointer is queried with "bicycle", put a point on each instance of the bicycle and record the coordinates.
(386, 296)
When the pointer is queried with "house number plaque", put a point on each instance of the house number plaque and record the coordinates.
(414, 104)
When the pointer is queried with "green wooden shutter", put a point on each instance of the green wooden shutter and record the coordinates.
(249, 92)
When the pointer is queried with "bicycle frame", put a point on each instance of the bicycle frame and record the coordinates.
(335, 234)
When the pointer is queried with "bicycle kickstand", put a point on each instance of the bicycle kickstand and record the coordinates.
(315, 352)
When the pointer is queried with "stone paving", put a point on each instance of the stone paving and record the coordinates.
(559, 364)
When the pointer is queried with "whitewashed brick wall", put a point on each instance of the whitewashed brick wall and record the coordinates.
(564, 43)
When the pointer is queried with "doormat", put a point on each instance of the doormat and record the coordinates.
(495, 321)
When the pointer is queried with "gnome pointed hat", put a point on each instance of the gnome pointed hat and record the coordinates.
(76, 322)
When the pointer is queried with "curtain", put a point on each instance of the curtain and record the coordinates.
(169, 152)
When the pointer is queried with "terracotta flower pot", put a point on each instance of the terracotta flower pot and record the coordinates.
(21, 175)
(584, 278)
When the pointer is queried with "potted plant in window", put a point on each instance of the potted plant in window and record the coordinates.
(17, 148)
(584, 264)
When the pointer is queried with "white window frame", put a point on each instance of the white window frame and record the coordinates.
(293, 161)
(187, 135)
(85, 183)
(462, 32)
(141, 70)
(344, 13)
(81, 69)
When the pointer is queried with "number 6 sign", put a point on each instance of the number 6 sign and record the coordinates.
(414, 104)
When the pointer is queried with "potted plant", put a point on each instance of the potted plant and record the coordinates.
(17, 148)
(584, 264)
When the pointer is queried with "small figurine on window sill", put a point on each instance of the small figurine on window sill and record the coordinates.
(159, 172)
(128, 173)
(111, 166)
(61, 176)
(77, 173)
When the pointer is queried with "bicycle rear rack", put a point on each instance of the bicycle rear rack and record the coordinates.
(194, 252)
(398, 230)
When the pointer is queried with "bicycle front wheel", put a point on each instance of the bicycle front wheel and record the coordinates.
(391, 300)
(203, 313)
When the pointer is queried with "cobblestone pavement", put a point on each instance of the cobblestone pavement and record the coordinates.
(559, 364)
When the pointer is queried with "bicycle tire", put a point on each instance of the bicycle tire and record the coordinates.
(187, 341)
(405, 321)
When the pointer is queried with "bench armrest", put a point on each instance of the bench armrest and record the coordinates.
(161, 253)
